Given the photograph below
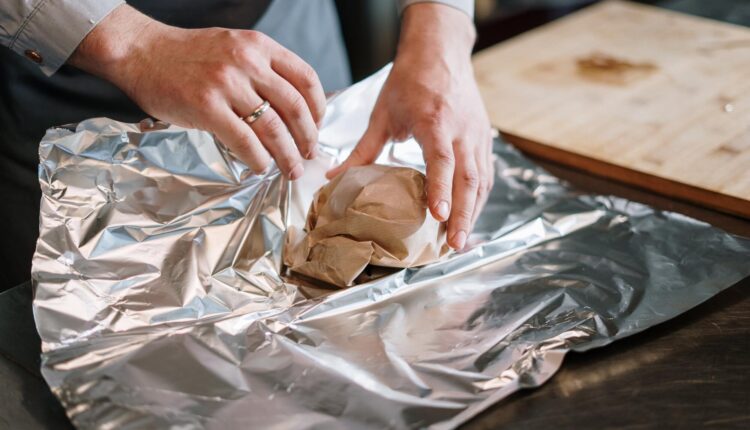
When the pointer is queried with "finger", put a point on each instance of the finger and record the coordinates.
(439, 160)
(272, 133)
(484, 166)
(491, 161)
(304, 78)
(368, 148)
(465, 186)
(236, 135)
(275, 137)
(293, 109)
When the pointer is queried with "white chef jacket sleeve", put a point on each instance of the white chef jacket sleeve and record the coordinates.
(48, 31)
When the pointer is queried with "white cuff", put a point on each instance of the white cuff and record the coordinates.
(466, 6)
(48, 31)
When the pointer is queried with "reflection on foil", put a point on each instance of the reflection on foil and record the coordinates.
(161, 300)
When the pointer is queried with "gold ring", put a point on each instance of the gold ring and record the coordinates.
(260, 110)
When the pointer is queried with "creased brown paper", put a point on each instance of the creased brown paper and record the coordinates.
(367, 215)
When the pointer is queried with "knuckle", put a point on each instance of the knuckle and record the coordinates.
(205, 98)
(221, 75)
(470, 178)
(244, 143)
(250, 59)
(432, 136)
(358, 153)
(442, 155)
(433, 125)
(244, 54)
(297, 107)
(463, 215)
(439, 188)
(238, 142)
(255, 37)
(309, 76)
(437, 113)
(225, 36)
(237, 43)
(274, 127)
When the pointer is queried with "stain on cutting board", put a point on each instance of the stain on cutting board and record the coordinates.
(597, 67)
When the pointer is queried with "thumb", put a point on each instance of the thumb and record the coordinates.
(368, 148)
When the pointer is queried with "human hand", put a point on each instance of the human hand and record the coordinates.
(210, 79)
(431, 94)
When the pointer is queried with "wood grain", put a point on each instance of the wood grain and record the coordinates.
(649, 97)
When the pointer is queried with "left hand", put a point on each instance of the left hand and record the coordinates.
(431, 94)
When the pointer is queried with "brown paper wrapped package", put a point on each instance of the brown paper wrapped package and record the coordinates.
(367, 215)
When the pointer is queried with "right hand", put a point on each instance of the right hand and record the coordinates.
(210, 79)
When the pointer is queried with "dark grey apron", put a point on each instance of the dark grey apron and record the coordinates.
(32, 102)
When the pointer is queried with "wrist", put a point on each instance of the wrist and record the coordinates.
(433, 29)
(109, 50)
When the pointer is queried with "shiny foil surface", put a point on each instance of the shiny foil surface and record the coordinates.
(162, 302)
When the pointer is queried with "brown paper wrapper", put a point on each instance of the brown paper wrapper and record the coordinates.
(367, 215)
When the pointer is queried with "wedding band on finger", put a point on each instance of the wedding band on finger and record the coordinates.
(257, 113)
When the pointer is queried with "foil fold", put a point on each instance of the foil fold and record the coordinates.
(162, 300)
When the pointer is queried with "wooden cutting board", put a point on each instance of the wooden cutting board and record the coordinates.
(650, 97)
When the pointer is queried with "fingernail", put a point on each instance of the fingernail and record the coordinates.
(443, 210)
(296, 172)
(312, 154)
(459, 239)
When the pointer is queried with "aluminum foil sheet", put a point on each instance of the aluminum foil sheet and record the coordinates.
(162, 302)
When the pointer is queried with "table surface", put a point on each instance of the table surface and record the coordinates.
(692, 371)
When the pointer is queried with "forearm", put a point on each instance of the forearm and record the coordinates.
(111, 48)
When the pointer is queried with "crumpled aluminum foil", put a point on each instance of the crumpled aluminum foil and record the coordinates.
(161, 301)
